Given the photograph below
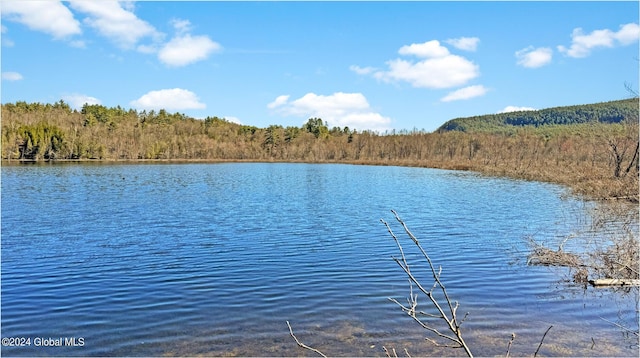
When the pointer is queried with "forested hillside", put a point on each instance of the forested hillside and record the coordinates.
(597, 157)
(606, 112)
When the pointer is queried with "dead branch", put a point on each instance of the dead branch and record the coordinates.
(632, 93)
(302, 345)
(513, 337)
(544, 256)
(635, 333)
(634, 159)
(542, 340)
(447, 310)
(614, 261)
(618, 157)
(608, 282)
(389, 355)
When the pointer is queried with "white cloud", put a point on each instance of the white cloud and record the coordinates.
(465, 93)
(5, 41)
(76, 100)
(438, 69)
(233, 119)
(534, 57)
(628, 34)
(187, 49)
(147, 49)
(516, 109)
(363, 121)
(582, 44)
(339, 109)
(116, 22)
(312, 104)
(442, 72)
(279, 101)
(362, 70)
(181, 26)
(50, 17)
(169, 99)
(464, 43)
(427, 49)
(11, 76)
(184, 49)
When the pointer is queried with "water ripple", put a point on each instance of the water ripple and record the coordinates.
(214, 258)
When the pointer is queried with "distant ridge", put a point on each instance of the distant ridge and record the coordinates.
(604, 112)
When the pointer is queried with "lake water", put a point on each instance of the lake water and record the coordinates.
(213, 259)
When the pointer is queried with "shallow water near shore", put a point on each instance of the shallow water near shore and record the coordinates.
(213, 259)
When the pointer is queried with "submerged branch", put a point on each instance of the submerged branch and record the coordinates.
(302, 345)
(542, 340)
(635, 333)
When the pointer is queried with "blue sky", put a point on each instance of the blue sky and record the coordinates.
(365, 65)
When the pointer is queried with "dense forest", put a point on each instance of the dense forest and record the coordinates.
(597, 155)
(606, 112)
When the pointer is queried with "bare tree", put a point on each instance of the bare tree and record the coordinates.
(618, 157)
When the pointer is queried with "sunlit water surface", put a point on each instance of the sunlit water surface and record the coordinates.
(213, 259)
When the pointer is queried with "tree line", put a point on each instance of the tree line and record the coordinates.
(596, 157)
(605, 112)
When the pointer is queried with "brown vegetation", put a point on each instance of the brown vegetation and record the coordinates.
(612, 256)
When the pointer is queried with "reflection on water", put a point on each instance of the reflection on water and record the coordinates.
(213, 259)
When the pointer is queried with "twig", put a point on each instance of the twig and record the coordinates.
(625, 267)
(622, 327)
(513, 337)
(542, 340)
(436, 276)
(447, 312)
(302, 345)
(386, 351)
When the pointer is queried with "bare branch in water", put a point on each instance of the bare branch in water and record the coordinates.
(542, 340)
(302, 345)
(635, 333)
(513, 337)
(446, 310)
(390, 355)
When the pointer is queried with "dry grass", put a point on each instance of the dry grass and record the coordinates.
(609, 248)
(618, 261)
(544, 256)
